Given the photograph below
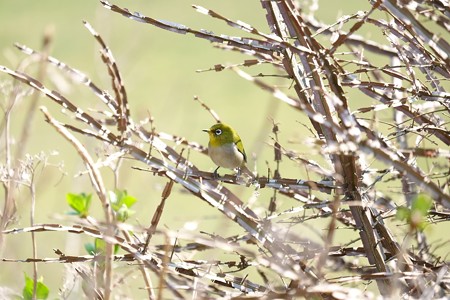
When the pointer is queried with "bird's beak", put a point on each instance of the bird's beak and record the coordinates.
(205, 130)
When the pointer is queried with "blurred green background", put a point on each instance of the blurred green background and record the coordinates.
(159, 71)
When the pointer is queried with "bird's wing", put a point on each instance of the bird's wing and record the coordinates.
(241, 149)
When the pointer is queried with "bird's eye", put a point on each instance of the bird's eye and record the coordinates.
(218, 131)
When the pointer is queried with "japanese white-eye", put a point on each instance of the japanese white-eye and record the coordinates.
(225, 147)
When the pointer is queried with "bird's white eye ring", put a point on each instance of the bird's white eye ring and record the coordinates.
(218, 131)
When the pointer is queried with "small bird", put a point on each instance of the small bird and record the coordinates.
(225, 148)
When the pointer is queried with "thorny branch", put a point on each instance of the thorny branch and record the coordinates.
(412, 87)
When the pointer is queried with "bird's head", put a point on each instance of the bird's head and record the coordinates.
(220, 134)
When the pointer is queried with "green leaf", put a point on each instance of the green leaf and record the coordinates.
(100, 246)
(422, 204)
(415, 216)
(422, 225)
(42, 290)
(80, 203)
(121, 203)
(119, 198)
(113, 199)
(90, 248)
(403, 213)
(128, 201)
(124, 213)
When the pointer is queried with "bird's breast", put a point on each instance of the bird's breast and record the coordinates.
(226, 156)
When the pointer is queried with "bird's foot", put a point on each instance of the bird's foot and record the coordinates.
(215, 174)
